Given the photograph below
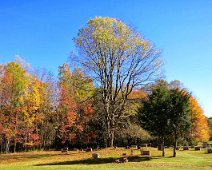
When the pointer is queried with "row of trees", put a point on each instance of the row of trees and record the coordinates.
(98, 108)
(37, 111)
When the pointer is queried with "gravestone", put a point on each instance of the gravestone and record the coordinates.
(95, 155)
(197, 148)
(146, 153)
(185, 148)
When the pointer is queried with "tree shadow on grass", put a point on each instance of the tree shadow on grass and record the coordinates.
(20, 156)
(91, 161)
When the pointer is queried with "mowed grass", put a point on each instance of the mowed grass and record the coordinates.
(191, 159)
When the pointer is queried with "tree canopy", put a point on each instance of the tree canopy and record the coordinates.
(119, 60)
(165, 113)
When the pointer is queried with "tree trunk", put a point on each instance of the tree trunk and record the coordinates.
(1, 148)
(16, 120)
(112, 138)
(44, 145)
(175, 145)
(163, 148)
(7, 146)
(108, 134)
(14, 149)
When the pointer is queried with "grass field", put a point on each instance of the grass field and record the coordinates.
(191, 160)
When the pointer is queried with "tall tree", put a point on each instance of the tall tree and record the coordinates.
(178, 112)
(120, 60)
(31, 116)
(67, 105)
(13, 86)
(48, 105)
(153, 114)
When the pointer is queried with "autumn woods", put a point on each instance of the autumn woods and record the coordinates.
(116, 97)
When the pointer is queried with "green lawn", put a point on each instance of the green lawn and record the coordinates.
(82, 160)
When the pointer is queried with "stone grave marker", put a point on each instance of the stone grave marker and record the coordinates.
(177, 147)
(197, 148)
(146, 153)
(95, 155)
(185, 148)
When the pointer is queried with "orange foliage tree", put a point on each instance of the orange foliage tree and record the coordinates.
(199, 130)
(13, 86)
(67, 106)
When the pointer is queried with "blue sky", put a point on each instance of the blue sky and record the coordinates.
(41, 32)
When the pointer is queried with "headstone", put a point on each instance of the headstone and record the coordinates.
(197, 148)
(185, 148)
(95, 155)
(146, 153)
(177, 147)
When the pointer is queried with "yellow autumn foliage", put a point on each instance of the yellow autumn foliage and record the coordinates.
(200, 130)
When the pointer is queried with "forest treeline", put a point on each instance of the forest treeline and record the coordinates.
(40, 112)
(122, 101)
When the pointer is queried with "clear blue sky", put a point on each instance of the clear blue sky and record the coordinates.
(41, 32)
